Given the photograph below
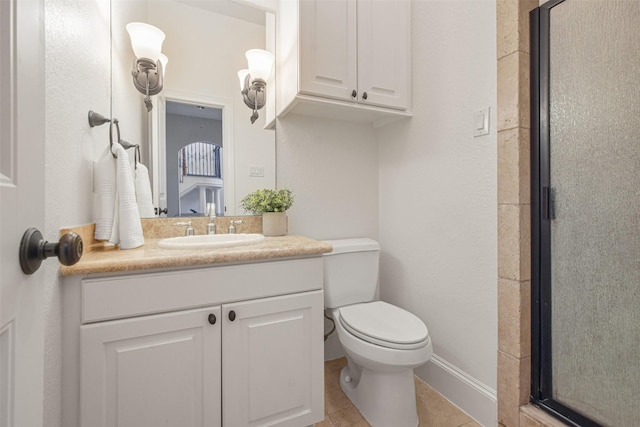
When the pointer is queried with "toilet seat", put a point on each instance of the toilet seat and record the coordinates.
(385, 325)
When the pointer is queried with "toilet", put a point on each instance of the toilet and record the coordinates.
(383, 343)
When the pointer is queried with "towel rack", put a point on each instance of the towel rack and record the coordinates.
(97, 119)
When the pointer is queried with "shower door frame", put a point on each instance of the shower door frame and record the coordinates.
(541, 215)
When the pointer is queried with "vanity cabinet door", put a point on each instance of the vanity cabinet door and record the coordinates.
(152, 371)
(272, 353)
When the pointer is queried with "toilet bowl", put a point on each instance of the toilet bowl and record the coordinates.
(383, 343)
(378, 378)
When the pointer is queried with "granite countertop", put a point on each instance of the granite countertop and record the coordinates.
(99, 258)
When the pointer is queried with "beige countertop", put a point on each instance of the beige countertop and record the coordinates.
(98, 258)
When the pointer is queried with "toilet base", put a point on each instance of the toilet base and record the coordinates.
(385, 399)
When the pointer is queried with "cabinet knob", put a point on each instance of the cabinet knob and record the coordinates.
(364, 95)
(354, 94)
(212, 319)
(232, 315)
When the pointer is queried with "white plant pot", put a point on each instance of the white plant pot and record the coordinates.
(274, 223)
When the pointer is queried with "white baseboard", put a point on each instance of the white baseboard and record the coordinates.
(475, 398)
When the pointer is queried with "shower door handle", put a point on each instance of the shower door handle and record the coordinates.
(548, 208)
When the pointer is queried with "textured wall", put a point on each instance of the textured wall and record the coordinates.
(595, 120)
(430, 192)
(332, 168)
(438, 195)
(77, 80)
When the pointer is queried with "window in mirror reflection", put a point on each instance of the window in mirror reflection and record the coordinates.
(194, 143)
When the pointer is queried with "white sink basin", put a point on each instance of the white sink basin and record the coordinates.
(209, 241)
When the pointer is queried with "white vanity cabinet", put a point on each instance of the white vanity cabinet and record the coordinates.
(345, 53)
(227, 346)
(267, 354)
(152, 371)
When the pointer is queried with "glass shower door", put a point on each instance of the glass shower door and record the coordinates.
(592, 209)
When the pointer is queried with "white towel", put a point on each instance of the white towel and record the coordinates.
(105, 187)
(127, 228)
(143, 192)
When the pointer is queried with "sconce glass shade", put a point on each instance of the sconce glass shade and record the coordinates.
(260, 63)
(242, 76)
(146, 40)
(164, 60)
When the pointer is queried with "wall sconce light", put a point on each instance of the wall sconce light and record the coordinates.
(253, 81)
(147, 72)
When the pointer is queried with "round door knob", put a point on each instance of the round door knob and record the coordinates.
(34, 249)
(354, 93)
(212, 319)
(364, 95)
(232, 315)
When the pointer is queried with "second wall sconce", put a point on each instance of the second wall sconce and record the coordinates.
(147, 72)
(253, 81)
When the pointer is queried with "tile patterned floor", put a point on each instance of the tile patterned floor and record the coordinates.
(433, 409)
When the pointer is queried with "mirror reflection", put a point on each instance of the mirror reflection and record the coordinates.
(193, 148)
(201, 102)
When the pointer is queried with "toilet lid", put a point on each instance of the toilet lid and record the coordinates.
(384, 324)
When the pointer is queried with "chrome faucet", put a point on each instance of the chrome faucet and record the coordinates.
(188, 231)
(211, 227)
(211, 212)
(232, 228)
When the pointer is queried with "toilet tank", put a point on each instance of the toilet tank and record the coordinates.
(350, 272)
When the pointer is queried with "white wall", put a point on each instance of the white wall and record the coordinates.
(435, 202)
(332, 168)
(77, 80)
(438, 219)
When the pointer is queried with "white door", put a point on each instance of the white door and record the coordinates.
(149, 371)
(21, 206)
(273, 361)
(328, 48)
(384, 49)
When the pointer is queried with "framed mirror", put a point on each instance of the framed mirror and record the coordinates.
(205, 42)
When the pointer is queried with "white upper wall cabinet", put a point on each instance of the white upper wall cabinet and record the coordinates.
(384, 53)
(328, 49)
(345, 59)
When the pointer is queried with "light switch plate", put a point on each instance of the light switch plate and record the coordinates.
(481, 122)
(257, 171)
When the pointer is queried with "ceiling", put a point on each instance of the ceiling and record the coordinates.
(229, 8)
(194, 110)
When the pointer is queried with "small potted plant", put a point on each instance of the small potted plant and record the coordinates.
(272, 204)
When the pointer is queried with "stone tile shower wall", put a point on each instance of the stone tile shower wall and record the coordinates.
(514, 222)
